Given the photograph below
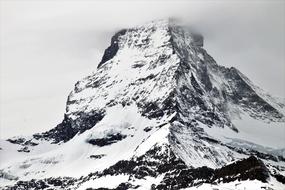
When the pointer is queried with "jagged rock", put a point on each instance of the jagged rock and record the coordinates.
(49, 183)
(109, 139)
(98, 156)
(112, 50)
(246, 169)
(68, 128)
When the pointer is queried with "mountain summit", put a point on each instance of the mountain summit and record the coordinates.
(158, 113)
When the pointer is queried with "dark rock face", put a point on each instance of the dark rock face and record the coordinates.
(109, 139)
(24, 149)
(244, 95)
(247, 169)
(22, 141)
(147, 129)
(185, 177)
(111, 51)
(48, 183)
(68, 128)
(97, 156)
(122, 186)
(195, 85)
(178, 175)
(141, 166)
(62, 132)
(279, 178)
(153, 110)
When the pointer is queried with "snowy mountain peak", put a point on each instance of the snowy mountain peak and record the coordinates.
(154, 34)
(158, 104)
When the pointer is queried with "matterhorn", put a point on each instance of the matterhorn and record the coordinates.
(158, 113)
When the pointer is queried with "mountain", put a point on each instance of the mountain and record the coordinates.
(158, 113)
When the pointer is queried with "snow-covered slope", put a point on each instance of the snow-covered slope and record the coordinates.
(158, 113)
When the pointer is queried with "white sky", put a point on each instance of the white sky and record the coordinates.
(46, 46)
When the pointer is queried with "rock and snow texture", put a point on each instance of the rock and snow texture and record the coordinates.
(158, 113)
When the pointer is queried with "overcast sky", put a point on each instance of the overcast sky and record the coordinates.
(46, 46)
